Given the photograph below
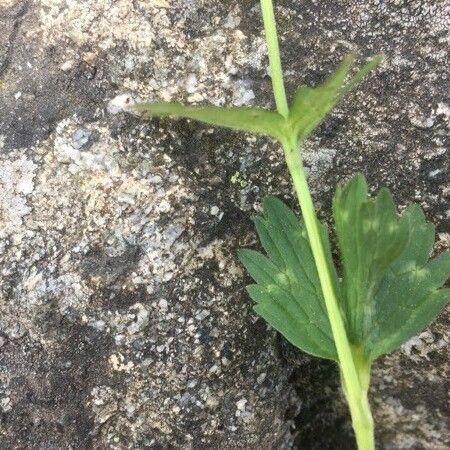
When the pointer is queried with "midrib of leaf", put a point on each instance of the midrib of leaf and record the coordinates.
(291, 249)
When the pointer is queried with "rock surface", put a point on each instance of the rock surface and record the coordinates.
(123, 319)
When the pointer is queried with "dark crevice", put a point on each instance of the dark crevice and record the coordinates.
(322, 422)
(18, 19)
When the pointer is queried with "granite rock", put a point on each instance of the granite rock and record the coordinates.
(123, 318)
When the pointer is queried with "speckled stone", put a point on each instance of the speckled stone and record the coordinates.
(123, 319)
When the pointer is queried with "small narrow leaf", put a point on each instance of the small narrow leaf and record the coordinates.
(362, 73)
(311, 105)
(288, 293)
(253, 120)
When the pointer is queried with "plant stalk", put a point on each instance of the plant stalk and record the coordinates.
(355, 369)
(354, 376)
(270, 28)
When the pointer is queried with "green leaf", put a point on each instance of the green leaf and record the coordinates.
(411, 295)
(389, 290)
(370, 239)
(311, 105)
(252, 120)
(288, 292)
(308, 109)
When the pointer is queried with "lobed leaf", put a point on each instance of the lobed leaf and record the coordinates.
(370, 238)
(288, 293)
(411, 294)
(390, 290)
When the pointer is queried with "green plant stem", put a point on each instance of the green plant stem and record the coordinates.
(362, 424)
(355, 377)
(355, 368)
(273, 50)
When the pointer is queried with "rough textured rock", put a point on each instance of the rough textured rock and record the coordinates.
(123, 320)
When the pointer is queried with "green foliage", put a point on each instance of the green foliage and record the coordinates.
(370, 239)
(411, 294)
(252, 120)
(288, 293)
(311, 105)
(308, 109)
(389, 290)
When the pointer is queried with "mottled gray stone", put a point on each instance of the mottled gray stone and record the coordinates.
(123, 318)
(81, 138)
